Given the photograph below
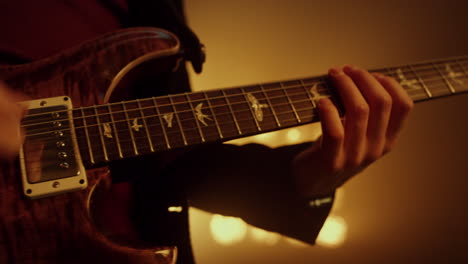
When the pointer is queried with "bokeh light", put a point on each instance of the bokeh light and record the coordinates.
(295, 243)
(333, 233)
(293, 135)
(227, 230)
(264, 237)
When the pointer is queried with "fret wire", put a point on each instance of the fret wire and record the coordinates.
(249, 118)
(251, 111)
(232, 113)
(308, 93)
(285, 112)
(135, 149)
(271, 105)
(178, 121)
(433, 65)
(462, 67)
(91, 154)
(268, 122)
(461, 57)
(226, 112)
(426, 64)
(393, 73)
(168, 145)
(214, 116)
(429, 94)
(431, 79)
(389, 73)
(148, 135)
(117, 141)
(413, 70)
(427, 67)
(99, 126)
(98, 121)
(449, 85)
(116, 112)
(288, 112)
(266, 116)
(160, 97)
(290, 102)
(195, 118)
(311, 116)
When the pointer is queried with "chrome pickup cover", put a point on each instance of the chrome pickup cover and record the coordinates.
(49, 158)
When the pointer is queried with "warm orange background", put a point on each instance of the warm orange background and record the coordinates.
(409, 207)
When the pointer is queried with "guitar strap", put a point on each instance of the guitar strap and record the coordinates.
(169, 14)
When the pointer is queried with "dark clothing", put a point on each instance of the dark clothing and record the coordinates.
(253, 181)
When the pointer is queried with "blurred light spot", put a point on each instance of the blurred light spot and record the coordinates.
(240, 141)
(333, 232)
(293, 135)
(264, 237)
(227, 230)
(265, 137)
(175, 209)
(295, 243)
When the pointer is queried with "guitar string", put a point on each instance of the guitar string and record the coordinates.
(277, 89)
(188, 111)
(238, 112)
(127, 148)
(190, 130)
(191, 119)
(323, 91)
(410, 71)
(201, 100)
(273, 122)
(441, 83)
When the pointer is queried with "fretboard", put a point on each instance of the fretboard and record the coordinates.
(127, 129)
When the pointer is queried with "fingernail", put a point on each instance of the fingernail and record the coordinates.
(320, 102)
(348, 68)
(378, 74)
(323, 101)
(335, 71)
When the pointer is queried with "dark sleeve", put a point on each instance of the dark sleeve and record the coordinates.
(253, 182)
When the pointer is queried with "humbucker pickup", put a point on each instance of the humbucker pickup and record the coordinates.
(49, 157)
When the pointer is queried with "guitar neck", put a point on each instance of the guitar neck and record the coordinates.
(127, 129)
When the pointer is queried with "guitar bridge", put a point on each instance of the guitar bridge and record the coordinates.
(49, 157)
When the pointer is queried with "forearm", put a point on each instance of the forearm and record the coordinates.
(255, 183)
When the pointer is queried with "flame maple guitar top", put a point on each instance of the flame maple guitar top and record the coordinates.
(59, 229)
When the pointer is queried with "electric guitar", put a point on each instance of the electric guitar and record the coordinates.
(81, 118)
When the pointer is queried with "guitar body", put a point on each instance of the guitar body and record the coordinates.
(62, 228)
